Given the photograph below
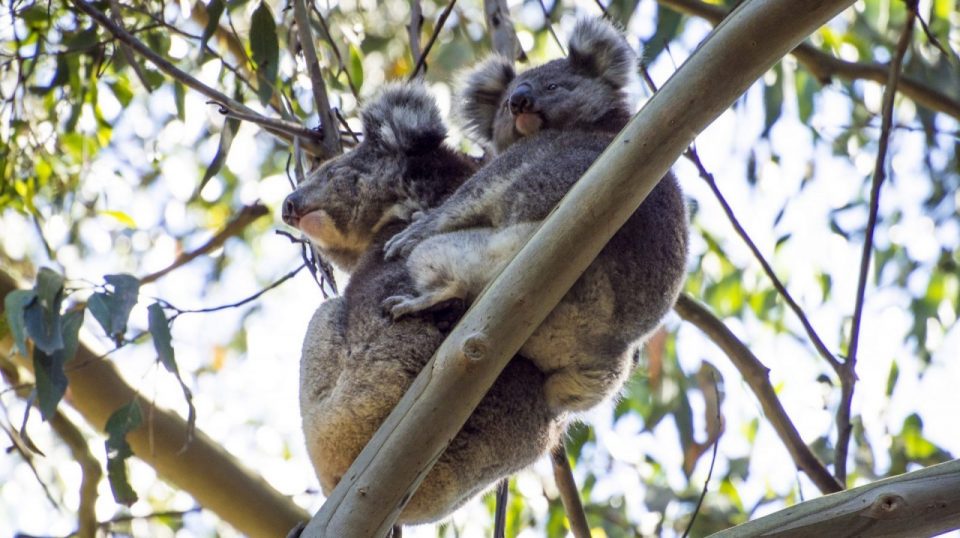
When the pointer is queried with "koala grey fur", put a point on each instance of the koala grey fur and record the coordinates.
(356, 362)
(549, 124)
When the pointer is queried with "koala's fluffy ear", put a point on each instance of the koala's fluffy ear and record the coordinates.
(482, 92)
(403, 118)
(600, 50)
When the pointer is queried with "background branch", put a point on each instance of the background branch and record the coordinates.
(421, 65)
(503, 38)
(824, 66)
(757, 377)
(328, 124)
(90, 469)
(848, 377)
(569, 493)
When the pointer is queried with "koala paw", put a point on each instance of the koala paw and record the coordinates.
(401, 244)
(397, 306)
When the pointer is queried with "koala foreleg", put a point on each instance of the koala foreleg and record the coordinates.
(457, 265)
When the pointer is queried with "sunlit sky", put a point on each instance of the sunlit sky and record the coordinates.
(250, 404)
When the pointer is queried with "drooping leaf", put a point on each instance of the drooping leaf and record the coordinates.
(120, 217)
(230, 127)
(214, 10)
(112, 309)
(265, 50)
(70, 324)
(157, 323)
(355, 67)
(14, 305)
(51, 381)
(120, 423)
(668, 24)
(42, 316)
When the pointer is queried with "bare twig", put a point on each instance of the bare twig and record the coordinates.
(848, 375)
(155, 515)
(950, 55)
(336, 52)
(90, 469)
(236, 304)
(503, 38)
(691, 154)
(125, 50)
(236, 225)
(414, 28)
(823, 66)
(421, 65)
(713, 458)
(500, 517)
(757, 377)
(569, 494)
(274, 125)
(546, 17)
(328, 126)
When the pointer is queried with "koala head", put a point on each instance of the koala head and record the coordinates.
(401, 166)
(586, 90)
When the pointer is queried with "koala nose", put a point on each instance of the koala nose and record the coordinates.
(291, 208)
(521, 100)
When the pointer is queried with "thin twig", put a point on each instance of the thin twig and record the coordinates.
(569, 494)
(757, 377)
(336, 52)
(848, 376)
(270, 124)
(331, 137)
(500, 516)
(691, 154)
(154, 515)
(234, 227)
(713, 460)
(414, 28)
(422, 60)
(950, 55)
(546, 16)
(237, 304)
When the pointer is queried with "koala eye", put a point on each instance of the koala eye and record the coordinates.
(552, 87)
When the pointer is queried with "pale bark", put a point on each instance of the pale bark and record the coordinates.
(386, 473)
(917, 504)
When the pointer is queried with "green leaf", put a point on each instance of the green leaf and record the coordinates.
(180, 96)
(160, 330)
(51, 381)
(355, 67)
(226, 140)
(772, 101)
(14, 304)
(42, 317)
(120, 217)
(668, 24)
(120, 423)
(82, 40)
(112, 309)
(214, 10)
(70, 324)
(265, 50)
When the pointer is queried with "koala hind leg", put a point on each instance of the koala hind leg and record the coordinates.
(457, 265)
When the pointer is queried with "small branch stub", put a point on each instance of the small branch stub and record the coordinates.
(475, 346)
(886, 506)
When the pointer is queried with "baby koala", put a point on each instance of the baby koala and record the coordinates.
(357, 363)
(549, 124)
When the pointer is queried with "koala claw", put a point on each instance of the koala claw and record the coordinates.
(401, 244)
(396, 306)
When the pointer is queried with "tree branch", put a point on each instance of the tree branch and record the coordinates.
(328, 124)
(90, 470)
(569, 494)
(757, 377)
(921, 503)
(421, 65)
(203, 468)
(848, 377)
(388, 470)
(823, 66)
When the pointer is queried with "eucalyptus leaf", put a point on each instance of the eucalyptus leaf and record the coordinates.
(121, 423)
(14, 305)
(160, 330)
(265, 50)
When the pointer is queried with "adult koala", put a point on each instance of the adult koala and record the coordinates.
(549, 124)
(356, 362)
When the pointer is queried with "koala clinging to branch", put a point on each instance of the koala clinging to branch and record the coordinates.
(357, 363)
(549, 124)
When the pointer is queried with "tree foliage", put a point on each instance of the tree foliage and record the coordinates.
(135, 171)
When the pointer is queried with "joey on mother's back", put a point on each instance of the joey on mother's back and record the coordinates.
(548, 125)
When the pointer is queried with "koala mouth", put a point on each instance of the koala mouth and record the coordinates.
(528, 123)
(316, 224)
